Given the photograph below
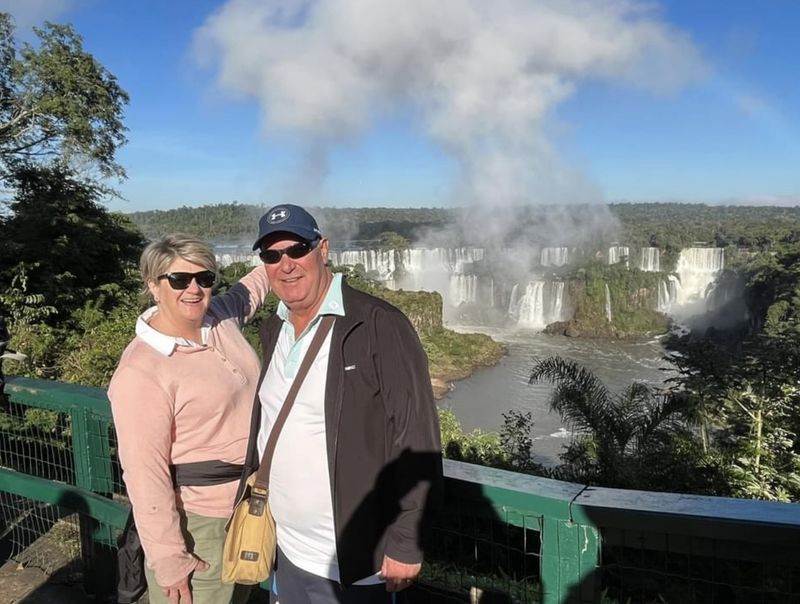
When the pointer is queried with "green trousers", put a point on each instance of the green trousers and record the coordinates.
(204, 538)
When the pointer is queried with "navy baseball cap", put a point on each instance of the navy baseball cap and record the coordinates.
(287, 218)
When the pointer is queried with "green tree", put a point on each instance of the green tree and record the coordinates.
(389, 240)
(66, 242)
(617, 437)
(761, 445)
(57, 102)
(93, 351)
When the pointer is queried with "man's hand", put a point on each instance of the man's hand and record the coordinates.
(397, 575)
(180, 593)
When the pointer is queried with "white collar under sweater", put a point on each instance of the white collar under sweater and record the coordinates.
(163, 343)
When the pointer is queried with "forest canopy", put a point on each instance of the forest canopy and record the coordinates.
(664, 225)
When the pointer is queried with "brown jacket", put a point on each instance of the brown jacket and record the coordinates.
(384, 448)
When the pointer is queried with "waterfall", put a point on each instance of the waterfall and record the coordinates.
(651, 259)
(663, 303)
(513, 303)
(249, 258)
(444, 270)
(618, 253)
(463, 290)
(557, 306)
(609, 318)
(541, 304)
(667, 294)
(698, 268)
(449, 260)
(374, 261)
(491, 293)
(554, 256)
(531, 306)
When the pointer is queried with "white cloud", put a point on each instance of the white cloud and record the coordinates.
(484, 76)
(751, 105)
(27, 13)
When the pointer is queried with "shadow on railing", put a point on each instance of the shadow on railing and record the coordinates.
(499, 536)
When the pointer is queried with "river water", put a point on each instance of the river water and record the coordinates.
(480, 400)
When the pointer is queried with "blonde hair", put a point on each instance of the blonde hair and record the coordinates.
(158, 255)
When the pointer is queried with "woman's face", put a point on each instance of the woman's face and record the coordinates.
(181, 307)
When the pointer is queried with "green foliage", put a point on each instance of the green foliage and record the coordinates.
(57, 102)
(235, 222)
(741, 382)
(511, 449)
(59, 243)
(674, 226)
(390, 240)
(633, 294)
(616, 435)
(669, 226)
(19, 306)
(41, 420)
(516, 441)
(454, 355)
(473, 447)
(42, 344)
(95, 349)
(760, 444)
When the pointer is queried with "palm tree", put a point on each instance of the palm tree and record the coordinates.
(619, 439)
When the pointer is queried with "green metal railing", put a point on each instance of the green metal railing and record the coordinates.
(497, 537)
(57, 448)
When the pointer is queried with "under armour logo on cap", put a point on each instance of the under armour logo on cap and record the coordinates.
(287, 218)
(278, 216)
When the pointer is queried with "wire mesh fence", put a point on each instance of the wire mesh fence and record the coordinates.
(58, 475)
(40, 535)
(474, 551)
(41, 442)
(37, 442)
(667, 568)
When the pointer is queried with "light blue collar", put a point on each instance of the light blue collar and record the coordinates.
(331, 305)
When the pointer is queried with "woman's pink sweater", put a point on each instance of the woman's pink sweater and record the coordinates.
(191, 405)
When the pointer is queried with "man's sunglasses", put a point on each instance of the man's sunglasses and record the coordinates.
(182, 280)
(295, 252)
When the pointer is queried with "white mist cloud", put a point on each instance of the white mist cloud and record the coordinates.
(484, 76)
(27, 13)
(751, 105)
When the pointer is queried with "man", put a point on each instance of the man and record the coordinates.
(355, 461)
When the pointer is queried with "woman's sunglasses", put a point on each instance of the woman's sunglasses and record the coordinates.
(182, 280)
(295, 252)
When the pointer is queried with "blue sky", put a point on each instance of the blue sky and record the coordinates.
(724, 127)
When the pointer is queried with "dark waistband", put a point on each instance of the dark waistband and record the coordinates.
(205, 473)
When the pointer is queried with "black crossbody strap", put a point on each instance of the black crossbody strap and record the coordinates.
(262, 475)
(204, 473)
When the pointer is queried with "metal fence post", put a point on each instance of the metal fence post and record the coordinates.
(93, 472)
(4, 338)
(570, 556)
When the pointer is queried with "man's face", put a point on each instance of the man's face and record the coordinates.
(301, 284)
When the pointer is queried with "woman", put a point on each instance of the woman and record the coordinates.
(181, 399)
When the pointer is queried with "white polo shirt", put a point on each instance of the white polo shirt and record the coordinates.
(300, 487)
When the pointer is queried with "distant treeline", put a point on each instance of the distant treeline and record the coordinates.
(666, 225)
(663, 225)
(235, 222)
